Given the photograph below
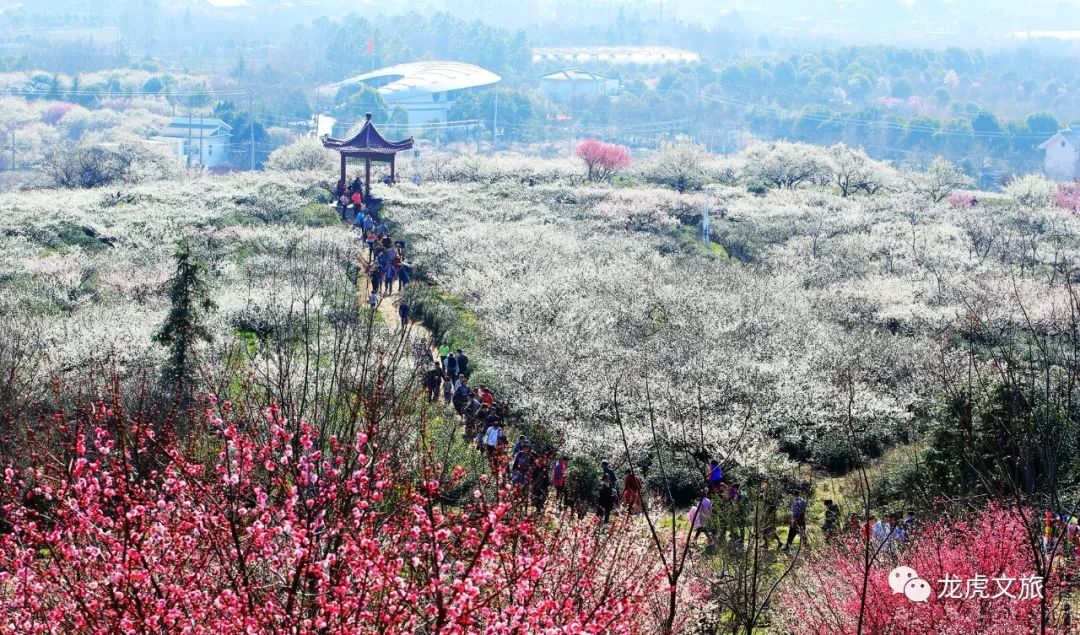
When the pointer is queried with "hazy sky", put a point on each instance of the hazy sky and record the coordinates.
(931, 22)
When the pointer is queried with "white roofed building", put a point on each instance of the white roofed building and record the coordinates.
(642, 55)
(567, 84)
(425, 90)
(198, 140)
(1062, 159)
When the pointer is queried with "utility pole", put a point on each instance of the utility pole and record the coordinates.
(705, 223)
(188, 135)
(251, 127)
(12, 149)
(495, 122)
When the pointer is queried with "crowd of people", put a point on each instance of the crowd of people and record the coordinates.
(721, 516)
(386, 263)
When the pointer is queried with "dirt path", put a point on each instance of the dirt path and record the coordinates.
(388, 309)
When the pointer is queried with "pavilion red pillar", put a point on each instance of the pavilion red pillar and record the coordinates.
(343, 168)
(393, 178)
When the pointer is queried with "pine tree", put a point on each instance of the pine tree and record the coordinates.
(185, 326)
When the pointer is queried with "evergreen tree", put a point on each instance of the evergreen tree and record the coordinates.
(185, 326)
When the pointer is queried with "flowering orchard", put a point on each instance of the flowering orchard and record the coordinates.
(989, 551)
(121, 529)
(579, 289)
(835, 294)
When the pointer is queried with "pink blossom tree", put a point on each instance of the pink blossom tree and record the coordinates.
(54, 113)
(1068, 197)
(602, 160)
(825, 597)
(119, 528)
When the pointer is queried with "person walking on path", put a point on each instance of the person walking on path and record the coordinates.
(798, 521)
(444, 351)
(522, 467)
(403, 313)
(715, 476)
(373, 299)
(433, 379)
(376, 278)
(520, 443)
(608, 497)
(491, 444)
(462, 393)
(541, 483)
(607, 472)
(452, 366)
(699, 518)
(370, 240)
(389, 275)
(448, 387)
(462, 363)
(558, 480)
(832, 519)
(631, 491)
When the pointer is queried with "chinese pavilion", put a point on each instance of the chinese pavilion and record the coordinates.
(370, 146)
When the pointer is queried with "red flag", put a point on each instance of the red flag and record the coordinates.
(370, 48)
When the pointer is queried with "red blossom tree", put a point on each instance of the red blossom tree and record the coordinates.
(825, 597)
(271, 529)
(602, 160)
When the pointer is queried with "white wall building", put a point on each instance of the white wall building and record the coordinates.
(1062, 154)
(567, 84)
(425, 90)
(198, 140)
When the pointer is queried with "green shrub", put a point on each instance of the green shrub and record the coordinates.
(65, 234)
(583, 480)
(684, 481)
(318, 215)
(757, 188)
(835, 453)
(900, 482)
(443, 315)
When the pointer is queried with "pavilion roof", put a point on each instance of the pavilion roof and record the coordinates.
(368, 142)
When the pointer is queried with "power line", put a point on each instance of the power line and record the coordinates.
(119, 94)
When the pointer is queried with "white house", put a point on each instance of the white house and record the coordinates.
(425, 90)
(1062, 151)
(198, 140)
(567, 84)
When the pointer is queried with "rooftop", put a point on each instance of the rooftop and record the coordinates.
(615, 54)
(574, 74)
(195, 126)
(367, 143)
(421, 78)
(1070, 135)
